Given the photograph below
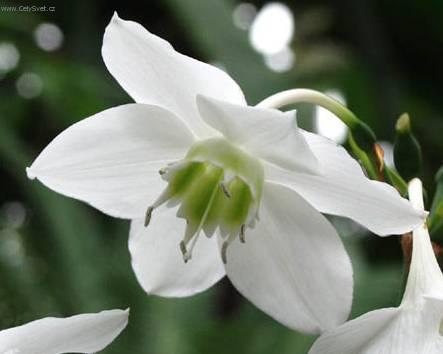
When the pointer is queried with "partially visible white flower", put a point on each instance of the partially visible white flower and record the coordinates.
(86, 333)
(415, 327)
(228, 172)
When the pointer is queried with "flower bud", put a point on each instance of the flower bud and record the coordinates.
(407, 151)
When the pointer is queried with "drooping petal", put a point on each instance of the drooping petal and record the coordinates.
(267, 133)
(158, 262)
(86, 333)
(412, 329)
(425, 276)
(151, 71)
(342, 189)
(111, 160)
(293, 265)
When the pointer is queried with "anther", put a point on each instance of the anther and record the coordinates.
(162, 171)
(184, 251)
(225, 190)
(148, 215)
(225, 245)
(223, 251)
(241, 235)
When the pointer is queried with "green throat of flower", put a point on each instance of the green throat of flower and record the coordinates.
(217, 186)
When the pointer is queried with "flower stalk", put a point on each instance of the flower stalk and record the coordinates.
(361, 137)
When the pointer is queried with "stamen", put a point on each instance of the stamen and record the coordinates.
(192, 233)
(162, 171)
(148, 215)
(187, 252)
(224, 247)
(225, 190)
(184, 251)
(241, 235)
(223, 252)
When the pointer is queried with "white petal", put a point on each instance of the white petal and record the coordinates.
(342, 189)
(151, 71)
(158, 262)
(412, 329)
(111, 160)
(425, 276)
(86, 333)
(354, 337)
(267, 133)
(293, 265)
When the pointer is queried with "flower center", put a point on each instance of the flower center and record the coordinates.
(218, 187)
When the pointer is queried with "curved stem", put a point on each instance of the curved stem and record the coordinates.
(293, 96)
(359, 132)
(364, 159)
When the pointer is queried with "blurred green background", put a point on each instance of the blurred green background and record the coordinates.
(61, 257)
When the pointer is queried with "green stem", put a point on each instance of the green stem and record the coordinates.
(363, 158)
(396, 180)
(294, 96)
(361, 138)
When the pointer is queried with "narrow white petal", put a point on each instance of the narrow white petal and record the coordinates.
(267, 133)
(151, 71)
(425, 276)
(415, 192)
(86, 333)
(342, 189)
(158, 262)
(293, 265)
(111, 160)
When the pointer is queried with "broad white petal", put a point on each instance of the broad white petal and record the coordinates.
(342, 189)
(266, 133)
(411, 329)
(158, 262)
(293, 265)
(111, 160)
(151, 71)
(86, 333)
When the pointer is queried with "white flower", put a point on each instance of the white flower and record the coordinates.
(415, 327)
(234, 170)
(86, 333)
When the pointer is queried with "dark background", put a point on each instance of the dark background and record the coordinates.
(61, 257)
